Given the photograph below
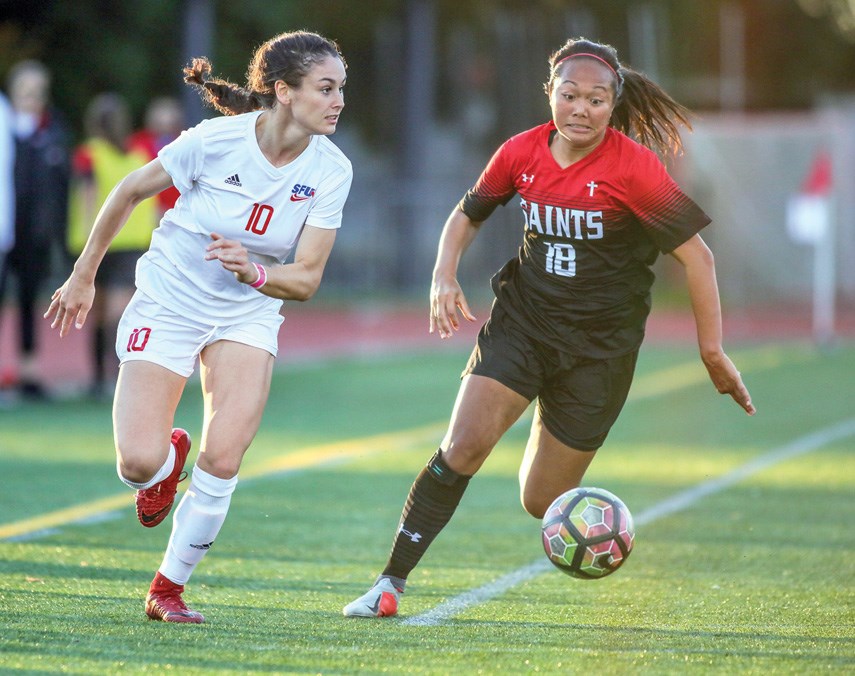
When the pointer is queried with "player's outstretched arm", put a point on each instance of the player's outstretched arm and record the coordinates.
(71, 302)
(446, 296)
(698, 261)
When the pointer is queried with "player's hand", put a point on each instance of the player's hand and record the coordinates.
(728, 380)
(446, 299)
(233, 256)
(70, 303)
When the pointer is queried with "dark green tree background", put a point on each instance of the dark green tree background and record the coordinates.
(135, 47)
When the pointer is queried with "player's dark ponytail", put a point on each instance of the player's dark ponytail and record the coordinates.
(286, 57)
(647, 113)
(228, 98)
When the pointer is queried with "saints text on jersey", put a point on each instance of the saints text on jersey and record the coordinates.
(560, 222)
(567, 223)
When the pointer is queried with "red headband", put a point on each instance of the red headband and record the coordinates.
(593, 56)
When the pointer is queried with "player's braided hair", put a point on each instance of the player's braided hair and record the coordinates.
(287, 57)
(643, 110)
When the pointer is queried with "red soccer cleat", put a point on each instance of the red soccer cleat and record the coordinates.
(164, 602)
(154, 504)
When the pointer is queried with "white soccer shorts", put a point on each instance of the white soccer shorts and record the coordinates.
(150, 332)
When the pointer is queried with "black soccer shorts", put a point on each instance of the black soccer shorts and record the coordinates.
(579, 398)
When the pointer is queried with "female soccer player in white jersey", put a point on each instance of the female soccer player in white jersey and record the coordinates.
(570, 310)
(255, 185)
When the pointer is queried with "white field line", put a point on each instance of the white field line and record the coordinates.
(660, 382)
(680, 501)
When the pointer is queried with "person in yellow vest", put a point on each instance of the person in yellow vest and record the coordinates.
(99, 163)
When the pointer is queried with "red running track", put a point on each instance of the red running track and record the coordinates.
(313, 332)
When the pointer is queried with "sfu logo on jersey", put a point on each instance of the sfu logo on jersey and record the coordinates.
(300, 193)
(138, 339)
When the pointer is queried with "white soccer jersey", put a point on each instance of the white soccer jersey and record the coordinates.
(228, 186)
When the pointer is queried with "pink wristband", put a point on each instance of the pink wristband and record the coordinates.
(262, 276)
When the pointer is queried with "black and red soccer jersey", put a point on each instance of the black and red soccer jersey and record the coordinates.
(582, 279)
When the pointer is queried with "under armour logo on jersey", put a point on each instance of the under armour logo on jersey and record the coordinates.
(527, 178)
(591, 187)
(234, 180)
(415, 537)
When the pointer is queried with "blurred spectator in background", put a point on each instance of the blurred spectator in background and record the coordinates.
(100, 162)
(41, 205)
(7, 182)
(164, 121)
(7, 194)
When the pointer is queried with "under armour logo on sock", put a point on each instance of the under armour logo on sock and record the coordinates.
(415, 537)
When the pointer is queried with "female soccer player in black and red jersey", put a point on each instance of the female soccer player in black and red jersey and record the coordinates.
(570, 310)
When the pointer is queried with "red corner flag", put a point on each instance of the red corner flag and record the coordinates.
(809, 210)
(818, 180)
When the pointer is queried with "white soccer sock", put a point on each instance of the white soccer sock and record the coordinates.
(159, 476)
(196, 523)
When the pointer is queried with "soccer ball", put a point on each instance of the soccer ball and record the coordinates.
(587, 533)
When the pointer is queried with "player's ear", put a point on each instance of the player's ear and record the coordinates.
(283, 91)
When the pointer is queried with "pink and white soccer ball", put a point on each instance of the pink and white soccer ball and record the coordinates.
(588, 532)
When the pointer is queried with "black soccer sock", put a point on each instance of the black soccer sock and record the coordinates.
(435, 494)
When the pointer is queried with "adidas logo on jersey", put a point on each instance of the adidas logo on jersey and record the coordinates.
(234, 180)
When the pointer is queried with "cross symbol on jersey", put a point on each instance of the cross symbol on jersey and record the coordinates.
(591, 185)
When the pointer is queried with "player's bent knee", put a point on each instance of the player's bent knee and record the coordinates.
(222, 467)
(534, 504)
(537, 510)
(138, 469)
(465, 453)
(138, 459)
(466, 460)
